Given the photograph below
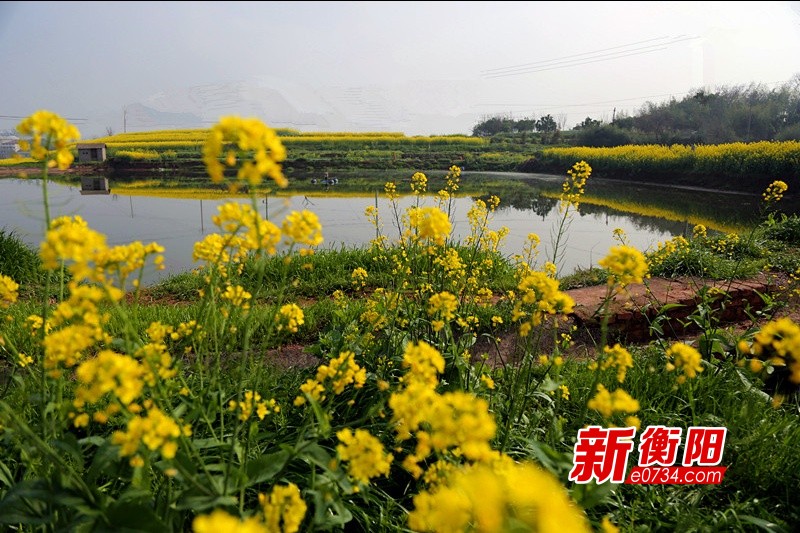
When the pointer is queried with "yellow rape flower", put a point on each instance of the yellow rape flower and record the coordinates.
(494, 498)
(424, 363)
(574, 186)
(249, 140)
(219, 521)
(390, 188)
(359, 278)
(302, 227)
(49, 131)
(253, 402)
(155, 431)
(686, 358)
(237, 296)
(779, 342)
(290, 317)
(443, 304)
(364, 454)
(284, 509)
(538, 298)
(70, 240)
(775, 191)
(625, 265)
(419, 183)
(428, 224)
(608, 403)
(617, 356)
(109, 372)
(8, 291)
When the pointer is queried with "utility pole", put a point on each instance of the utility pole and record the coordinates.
(124, 120)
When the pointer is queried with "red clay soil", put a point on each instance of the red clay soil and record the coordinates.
(633, 310)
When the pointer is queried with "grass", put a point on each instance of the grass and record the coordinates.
(20, 262)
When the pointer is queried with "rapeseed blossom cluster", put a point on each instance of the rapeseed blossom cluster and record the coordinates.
(775, 191)
(237, 296)
(334, 377)
(157, 431)
(619, 357)
(244, 231)
(779, 343)
(442, 305)
(290, 317)
(253, 402)
(419, 183)
(609, 403)
(625, 265)
(575, 185)
(8, 291)
(76, 325)
(699, 231)
(538, 298)
(664, 250)
(363, 453)
(109, 373)
(284, 509)
(302, 227)
(257, 234)
(359, 278)
(246, 143)
(390, 188)
(427, 224)
(496, 497)
(454, 422)
(685, 358)
(48, 131)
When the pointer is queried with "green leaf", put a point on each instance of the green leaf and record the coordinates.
(69, 443)
(591, 494)
(316, 454)
(102, 463)
(6, 478)
(762, 524)
(266, 467)
(94, 441)
(203, 502)
(128, 516)
(25, 503)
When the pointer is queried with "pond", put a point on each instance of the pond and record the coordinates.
(177, 224)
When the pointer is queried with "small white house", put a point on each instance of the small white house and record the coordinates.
(94, 185)
(89, 152)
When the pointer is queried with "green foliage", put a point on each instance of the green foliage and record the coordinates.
(22, 264)
(603, 136)
(786, 229)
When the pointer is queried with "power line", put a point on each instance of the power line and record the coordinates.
(14, 117)
(489, 71)
(602, 57)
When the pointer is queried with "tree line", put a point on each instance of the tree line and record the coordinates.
(744, 113)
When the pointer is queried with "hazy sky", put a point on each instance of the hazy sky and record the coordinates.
(89, 60)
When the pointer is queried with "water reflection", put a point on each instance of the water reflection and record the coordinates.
(177, 224)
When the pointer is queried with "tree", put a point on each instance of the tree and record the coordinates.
(587, 123)
(492, 126)
(546, 124)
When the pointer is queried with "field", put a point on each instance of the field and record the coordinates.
(419, 384)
